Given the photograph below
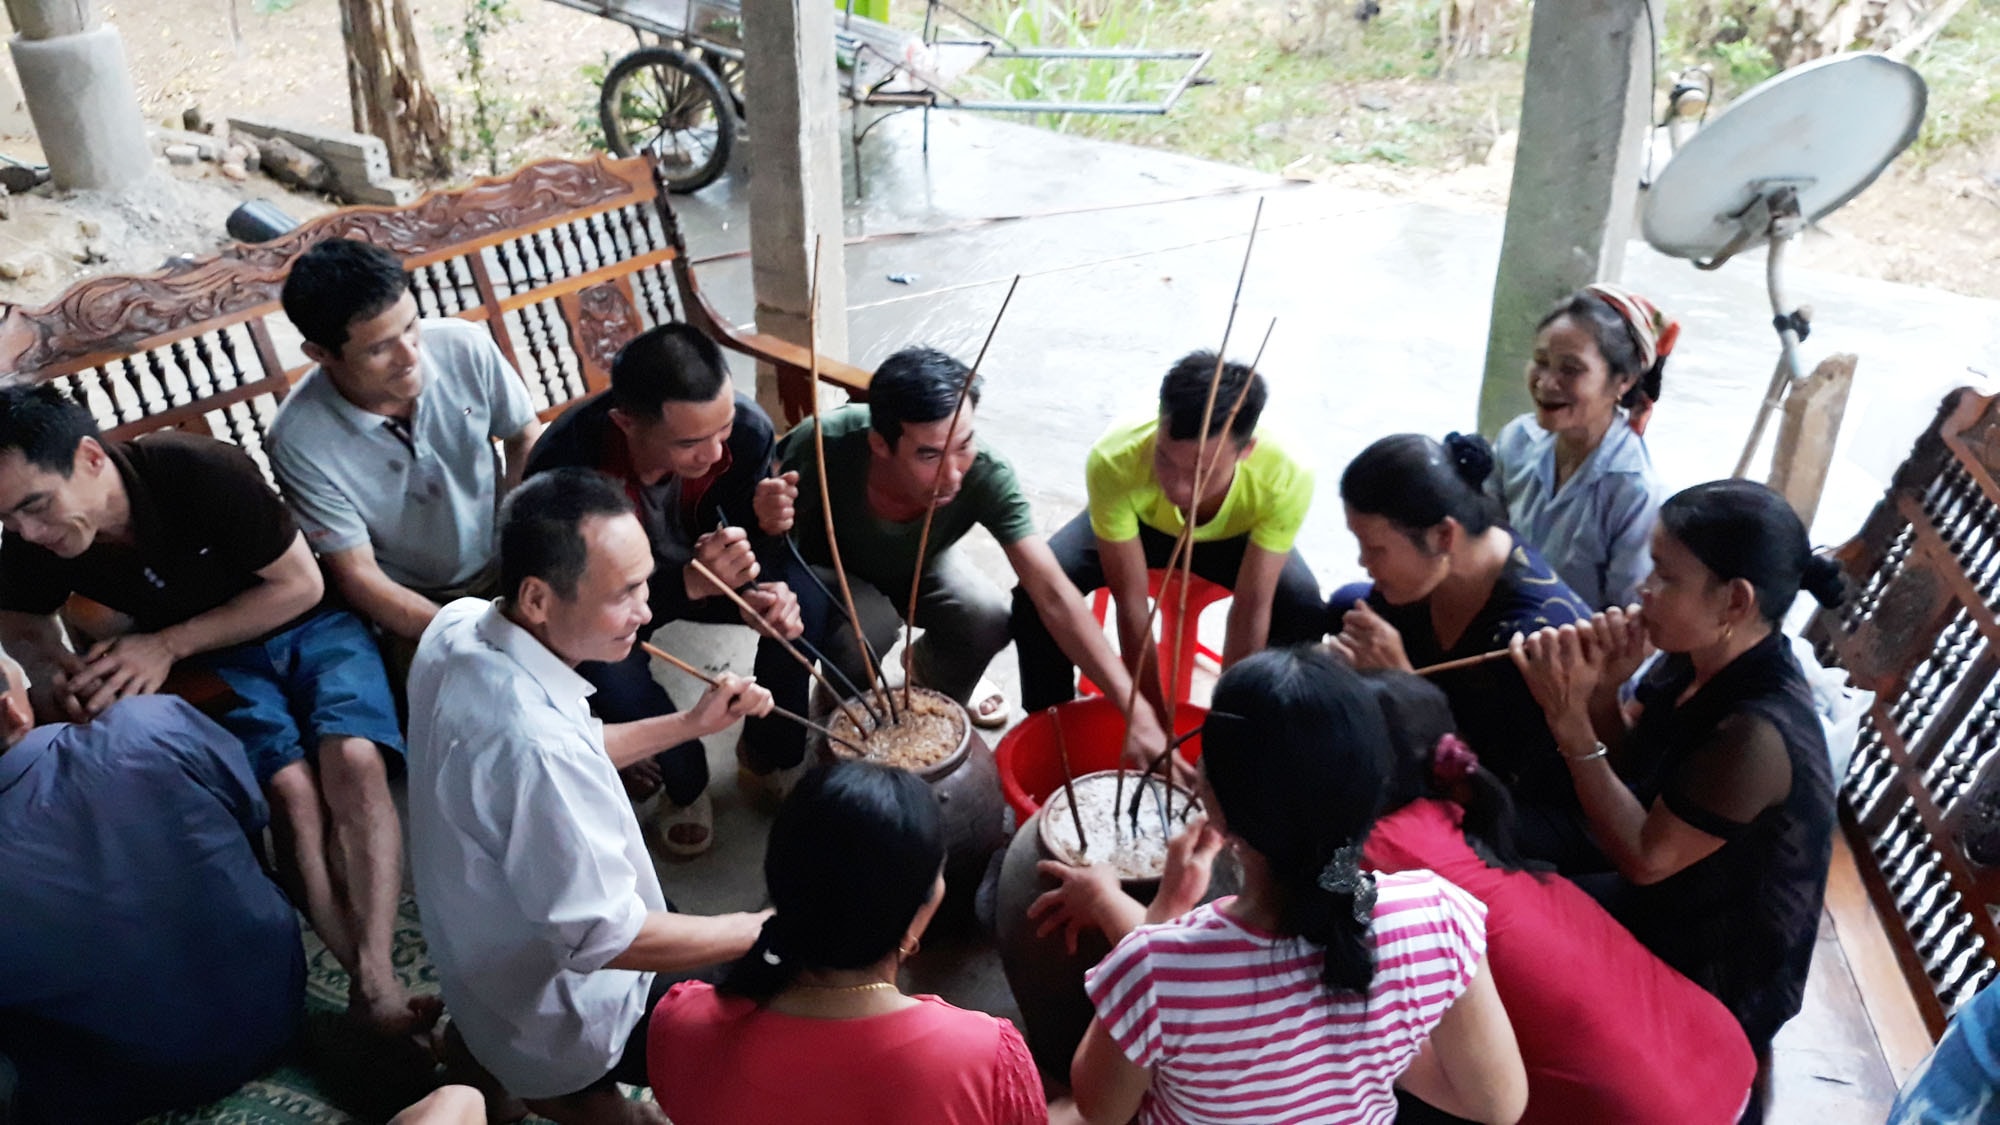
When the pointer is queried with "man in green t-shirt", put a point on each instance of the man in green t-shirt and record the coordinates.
(882, 463)
(1140, 479)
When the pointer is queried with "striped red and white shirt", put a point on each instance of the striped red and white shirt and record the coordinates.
(1237, 1026)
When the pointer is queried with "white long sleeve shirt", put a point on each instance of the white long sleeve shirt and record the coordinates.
(531, 873)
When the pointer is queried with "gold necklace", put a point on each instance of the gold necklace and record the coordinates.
(871, 986)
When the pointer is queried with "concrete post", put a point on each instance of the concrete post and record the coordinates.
(1586, 107)
(795, 186)
(79, 94)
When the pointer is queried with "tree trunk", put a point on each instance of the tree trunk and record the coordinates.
(385, 81)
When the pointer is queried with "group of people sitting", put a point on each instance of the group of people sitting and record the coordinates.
(1565, 882)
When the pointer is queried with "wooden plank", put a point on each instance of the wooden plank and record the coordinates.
(1893, 1011)
(1916, 982)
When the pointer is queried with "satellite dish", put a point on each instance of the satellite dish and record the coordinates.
(1825, 129)
(1788, 153)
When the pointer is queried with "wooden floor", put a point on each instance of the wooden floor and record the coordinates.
(1841, 1059)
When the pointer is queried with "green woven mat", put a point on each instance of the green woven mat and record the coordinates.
(334, 1076)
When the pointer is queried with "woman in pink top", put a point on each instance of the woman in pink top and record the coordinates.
(810, 1026)
(1320, 988)
(1607, 1030)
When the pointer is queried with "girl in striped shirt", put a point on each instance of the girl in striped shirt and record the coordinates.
(1313, 993)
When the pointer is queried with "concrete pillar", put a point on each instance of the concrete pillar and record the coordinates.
(79, 94)
(1585, 110)
(793, 103)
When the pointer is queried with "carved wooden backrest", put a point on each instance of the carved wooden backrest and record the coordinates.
(1919, 629)
(563, 261)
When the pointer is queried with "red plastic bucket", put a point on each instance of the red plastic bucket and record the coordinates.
(1093, 729)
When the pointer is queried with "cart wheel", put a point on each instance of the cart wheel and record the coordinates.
(731, 72)
(659, 102)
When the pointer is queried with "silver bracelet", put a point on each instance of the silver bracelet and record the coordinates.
(1601, 751)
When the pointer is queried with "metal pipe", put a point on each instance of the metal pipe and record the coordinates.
(1788, 368)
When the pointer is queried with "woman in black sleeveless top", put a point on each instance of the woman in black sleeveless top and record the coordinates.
(1716, 805)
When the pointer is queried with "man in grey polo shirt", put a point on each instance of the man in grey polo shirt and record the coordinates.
(386, 448)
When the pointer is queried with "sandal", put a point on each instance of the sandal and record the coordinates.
(687, 830)
(988, 720)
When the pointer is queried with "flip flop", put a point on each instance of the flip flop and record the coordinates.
(687, 830)
(995, 719)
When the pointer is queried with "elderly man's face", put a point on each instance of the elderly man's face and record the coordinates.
(604, 618)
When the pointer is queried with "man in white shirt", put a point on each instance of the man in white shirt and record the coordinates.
(540, 903)
(386, 448)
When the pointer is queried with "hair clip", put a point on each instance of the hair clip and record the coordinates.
(1343, 876)
(771, 958)
(1452, 761)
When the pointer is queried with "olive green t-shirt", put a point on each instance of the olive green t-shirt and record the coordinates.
(884, 551)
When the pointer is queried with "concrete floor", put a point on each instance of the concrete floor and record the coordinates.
(1128, 256)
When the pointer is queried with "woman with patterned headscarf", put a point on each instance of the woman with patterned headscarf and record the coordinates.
(1574, 473)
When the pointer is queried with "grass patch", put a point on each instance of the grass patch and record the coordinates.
(1373, 93)
(1960, 68)
(1364, 94)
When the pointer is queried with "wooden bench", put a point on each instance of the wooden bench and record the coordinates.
(563, 261)
(1919, 629)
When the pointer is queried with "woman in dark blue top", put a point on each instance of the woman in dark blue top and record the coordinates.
(1451, 582)
(1716, 805)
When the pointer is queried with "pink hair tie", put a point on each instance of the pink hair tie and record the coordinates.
(1453, 761)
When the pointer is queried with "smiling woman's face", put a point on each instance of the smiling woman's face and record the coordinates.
(1572, 387)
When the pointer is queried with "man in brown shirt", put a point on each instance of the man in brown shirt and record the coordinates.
(182, 538)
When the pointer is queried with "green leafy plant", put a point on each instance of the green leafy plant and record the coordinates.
(483, 20)
(589, 126)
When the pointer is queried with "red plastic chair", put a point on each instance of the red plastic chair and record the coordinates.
(1165, 589)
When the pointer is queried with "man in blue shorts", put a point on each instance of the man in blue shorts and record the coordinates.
(182, 538)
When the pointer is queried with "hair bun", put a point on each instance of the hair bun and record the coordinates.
(1824, 579)
(1471, 456)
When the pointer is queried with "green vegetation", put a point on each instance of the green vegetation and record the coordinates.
(490, 108)
(1964, 82)
(1272, 100)
(1282, 95)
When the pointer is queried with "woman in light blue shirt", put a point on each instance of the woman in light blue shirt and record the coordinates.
(1574, 474)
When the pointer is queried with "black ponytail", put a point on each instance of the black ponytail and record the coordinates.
(853, 855)
(1419, 719)
(1416, 483)
(1296, 752)
(1825, 581)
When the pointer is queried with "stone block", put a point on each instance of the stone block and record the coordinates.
(387, 193)
(366, 154)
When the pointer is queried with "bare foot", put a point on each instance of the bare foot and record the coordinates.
(392, 1013)
(642, 779)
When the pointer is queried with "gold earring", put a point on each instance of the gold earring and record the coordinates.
(1728, 631)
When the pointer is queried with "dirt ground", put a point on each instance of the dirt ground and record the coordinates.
(1936, 225)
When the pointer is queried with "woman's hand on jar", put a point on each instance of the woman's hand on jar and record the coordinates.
(1368, 642)
(1562, 667)
(1621, 636)
(1088, 896)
